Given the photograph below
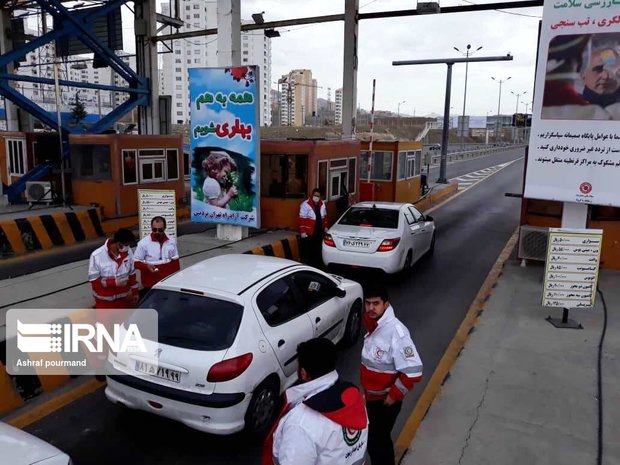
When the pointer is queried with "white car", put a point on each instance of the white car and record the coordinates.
(229, 328)
(20, 448)
(384, 235)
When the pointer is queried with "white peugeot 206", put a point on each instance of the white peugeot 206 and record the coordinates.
(229, 328)
(384, 235)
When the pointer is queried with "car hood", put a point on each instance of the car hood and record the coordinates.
(21, 448)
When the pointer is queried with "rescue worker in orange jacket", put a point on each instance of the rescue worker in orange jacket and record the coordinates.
(312, 226)
(112, 276)
(324, 420)
(156, 255)
(391, 365)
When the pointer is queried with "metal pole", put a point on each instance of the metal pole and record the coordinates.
(446, 126)
(464, 101)
(499, 101)
(372, 130)
(59, 119)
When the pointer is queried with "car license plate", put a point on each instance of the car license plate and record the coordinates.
(356, 243)
(158, 372)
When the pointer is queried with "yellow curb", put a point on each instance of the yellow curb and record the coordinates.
(433, 387)
(37, 412)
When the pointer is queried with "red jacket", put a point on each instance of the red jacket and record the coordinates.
(307, 216)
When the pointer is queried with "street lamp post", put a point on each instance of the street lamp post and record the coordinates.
(499, 102)
(467, 53)
(399, 104)
(517, 94)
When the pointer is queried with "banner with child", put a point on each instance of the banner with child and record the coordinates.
(225, 145)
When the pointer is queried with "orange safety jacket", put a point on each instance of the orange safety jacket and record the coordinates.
(307, 216)
(390, 362)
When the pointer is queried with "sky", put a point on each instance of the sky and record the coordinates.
(319, 47)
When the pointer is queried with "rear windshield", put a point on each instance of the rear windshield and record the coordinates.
(371, 217)
(194, 322)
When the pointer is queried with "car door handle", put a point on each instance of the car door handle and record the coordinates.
(318, 318)
(281, 342)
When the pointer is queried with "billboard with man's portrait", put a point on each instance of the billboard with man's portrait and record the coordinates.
(225, 144)
(574, 153)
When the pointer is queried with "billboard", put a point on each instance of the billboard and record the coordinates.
(225, 145)
(574, 153)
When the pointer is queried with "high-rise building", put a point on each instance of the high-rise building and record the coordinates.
(298, 98)
(201, 52)
(338, 111)
(40, 63)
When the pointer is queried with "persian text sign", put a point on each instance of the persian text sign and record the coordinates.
(157, 202)
(225, 150)
(571, 271)
(574, 152)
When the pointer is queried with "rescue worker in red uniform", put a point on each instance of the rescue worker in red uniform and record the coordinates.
(112, 276)
(390, 367)
(324, 421)
(312, 226)
(156, 255)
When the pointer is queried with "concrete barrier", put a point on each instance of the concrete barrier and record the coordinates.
(435, 159)
(41, 232)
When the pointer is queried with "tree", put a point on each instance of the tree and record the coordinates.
(78, 111)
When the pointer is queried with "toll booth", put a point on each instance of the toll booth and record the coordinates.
(395, 171)
(291, 169)
(15, 157)
(108, 169)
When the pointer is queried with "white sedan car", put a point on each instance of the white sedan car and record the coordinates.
(384, 235)
(20, 448)
(229, 328)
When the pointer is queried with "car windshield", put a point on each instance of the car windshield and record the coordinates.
(192, 321)
(371, 217)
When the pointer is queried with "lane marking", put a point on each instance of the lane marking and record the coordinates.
(432, 389)
(36, 412)
(460, 192)
(469, 180)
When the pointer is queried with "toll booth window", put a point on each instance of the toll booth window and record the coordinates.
(381, 169)
(406, 165)
(130, 172)
(91, 161)
(284, 176)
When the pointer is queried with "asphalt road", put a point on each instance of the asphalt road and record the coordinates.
(432, 301)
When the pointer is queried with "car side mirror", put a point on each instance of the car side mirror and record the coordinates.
(340, 292)
(428, 218)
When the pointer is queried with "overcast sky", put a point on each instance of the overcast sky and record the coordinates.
(319, 47)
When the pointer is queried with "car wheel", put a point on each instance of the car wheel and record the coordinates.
(408, 262)
(263, 408)
(354, 325)
(431, 249)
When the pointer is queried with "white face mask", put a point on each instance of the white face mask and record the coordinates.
(316, 198)
(124, 249)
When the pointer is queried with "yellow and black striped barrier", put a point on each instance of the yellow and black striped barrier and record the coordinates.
(285, 248)
(43, 232)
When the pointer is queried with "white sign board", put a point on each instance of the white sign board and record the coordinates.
(571, 271)
(574, 152)
(157, 202)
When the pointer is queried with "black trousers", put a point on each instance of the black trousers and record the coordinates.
(381, 419)
(311, 251)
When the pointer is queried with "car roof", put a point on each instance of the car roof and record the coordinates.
(231, 273)
(387, 205)
(19, 447)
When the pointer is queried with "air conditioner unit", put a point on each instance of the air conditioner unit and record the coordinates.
(533, 242)
(38, 191)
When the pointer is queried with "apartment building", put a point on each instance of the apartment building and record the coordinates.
(298, 98)
(338, 110)
(201, 52)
